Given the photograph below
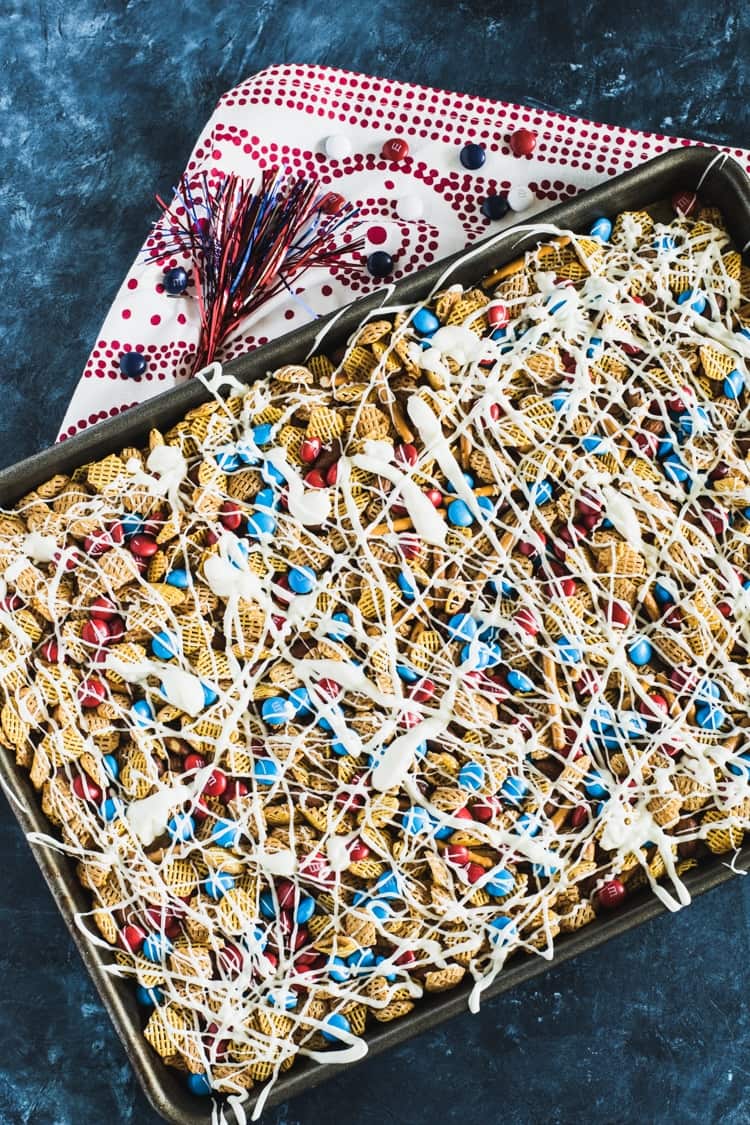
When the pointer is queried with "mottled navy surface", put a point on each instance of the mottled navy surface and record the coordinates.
(101, 103)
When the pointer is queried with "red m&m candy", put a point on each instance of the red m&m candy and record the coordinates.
(216, 783)
(359, 850)
(230, 515)
(91, 692)
(523, 142)
(498, 316)
(102, 609)
(132, 937)
(95, 632)
(86, 789)
(611, 894)
(395, 149)
(332, 203)
(310, 450)
(143, 546)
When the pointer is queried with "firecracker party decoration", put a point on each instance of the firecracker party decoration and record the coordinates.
(429, 171)
(244, 243)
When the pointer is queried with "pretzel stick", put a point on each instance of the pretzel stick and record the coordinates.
(518, 263)
(550, 678)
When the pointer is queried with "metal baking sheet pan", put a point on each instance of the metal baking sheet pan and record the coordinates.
(722, 183)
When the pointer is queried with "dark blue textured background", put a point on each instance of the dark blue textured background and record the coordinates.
(101, 103)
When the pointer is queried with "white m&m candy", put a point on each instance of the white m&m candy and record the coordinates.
(520, 198)
(337, 146)
(409, 207)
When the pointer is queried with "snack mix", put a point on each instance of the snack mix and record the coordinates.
(394, 664)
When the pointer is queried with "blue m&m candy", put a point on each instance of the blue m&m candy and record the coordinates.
(285, 998)
(131, 523)
(519, 681)
(148, 997)
(693, 299)
(388, 886)
(662, 593)
(710, 717)
(156, 947)
(178, 578)
(338, 970)
(342, 627)
(262, 434)
(594, 786)
(266, 498)
(675, 469)
(217, 884)
(496, 207)
(305, 910)
(460, 514)
(425, 322)
(302, 579)
(541, 492)
(209, 695)
(181, 827)
(640, 652)
(266, 771)
(261, 524)
(226, 833)
(471, 776)
(175, 281)
(664, 242)
(502, 930)
(165, 645)
(514, 788)
(634, 725)
(602, 717)
(335, 711)
(142, 712)
(695, 421)
(132, 364)
(500, 884)
(568, 651)
(112, 809)
(227, 458)
(276, 711)
(199, 1085)
(381, 910)
(602, 229)
(463, 626)
(361, 959)
(334, 1025)
(270, 474)
(407, 585)
(450, 487)
(707, 689)
(734, 384)
(416, 820)
(472, 156)
(740, 768)
(267, 905)
(302, 703)
(111, 766)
